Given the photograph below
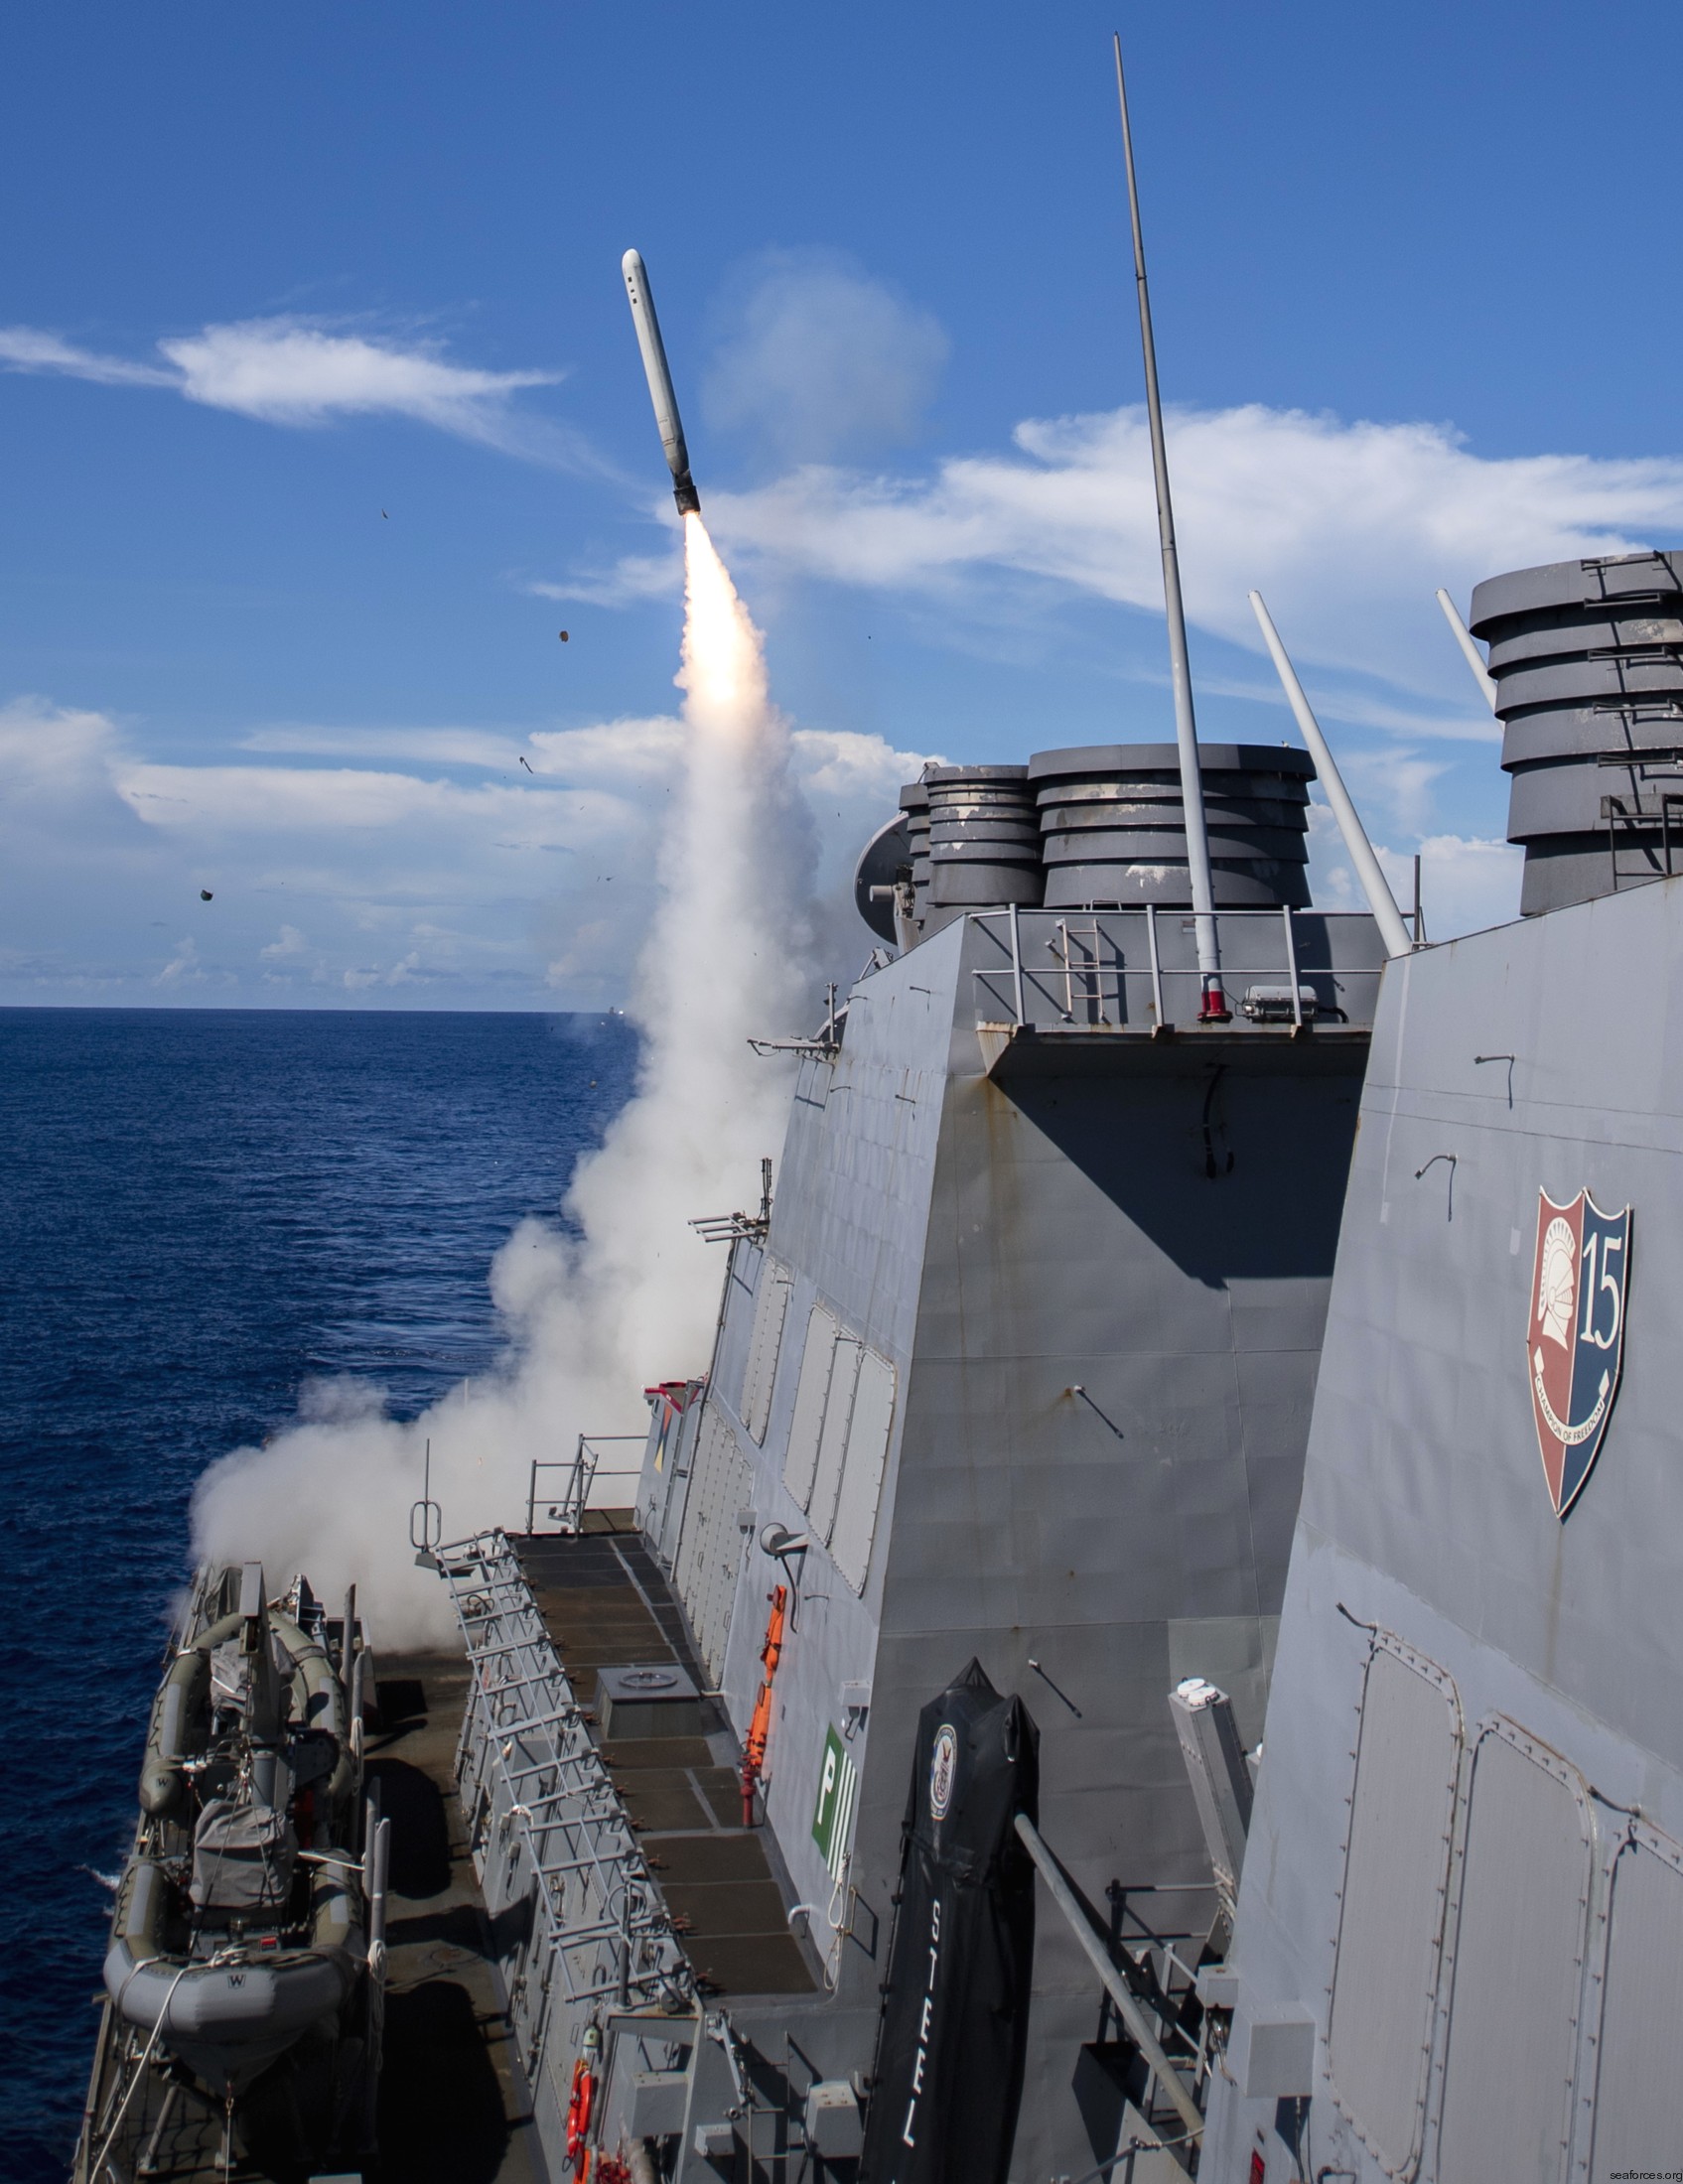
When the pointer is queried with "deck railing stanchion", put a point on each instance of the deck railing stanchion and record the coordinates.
(1155, 966)
(1292, 965)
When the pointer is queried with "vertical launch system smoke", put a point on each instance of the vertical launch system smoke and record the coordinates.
(622, 1294)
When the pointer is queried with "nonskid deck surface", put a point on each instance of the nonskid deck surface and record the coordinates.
(606, 1604)
(452, 2108)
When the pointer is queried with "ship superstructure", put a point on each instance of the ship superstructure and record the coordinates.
(1459, 1950)
(1020, 1370)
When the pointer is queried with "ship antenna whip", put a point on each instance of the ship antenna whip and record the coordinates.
(1212, 1007)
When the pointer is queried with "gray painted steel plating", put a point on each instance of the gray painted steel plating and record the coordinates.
(1427, 1540)
(1009, 1184)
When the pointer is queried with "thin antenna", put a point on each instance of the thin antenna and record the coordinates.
(1359, 850)
(1212, 1007)
(1464, 637)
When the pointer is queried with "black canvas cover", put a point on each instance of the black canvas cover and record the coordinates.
(948, 2075)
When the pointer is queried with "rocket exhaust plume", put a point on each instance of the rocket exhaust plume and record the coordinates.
(622, 1294)
(667, 418)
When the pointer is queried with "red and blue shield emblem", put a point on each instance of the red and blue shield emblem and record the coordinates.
(1575, 1344)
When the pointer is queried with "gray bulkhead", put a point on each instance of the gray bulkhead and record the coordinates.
(1149, 1221)
(1459, 1950)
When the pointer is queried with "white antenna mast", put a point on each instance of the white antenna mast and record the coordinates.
(1464, 637)
(1359, 850)
(1212, 1005)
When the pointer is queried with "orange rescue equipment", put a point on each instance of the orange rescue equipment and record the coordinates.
(580, 2102)
(760, 1727)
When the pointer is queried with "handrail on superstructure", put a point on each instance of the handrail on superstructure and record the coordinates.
(1015, 973)
(583, 1468)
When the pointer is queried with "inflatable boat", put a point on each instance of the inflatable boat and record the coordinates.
(241, 1923)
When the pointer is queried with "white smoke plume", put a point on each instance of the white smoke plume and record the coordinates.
(627, 1294)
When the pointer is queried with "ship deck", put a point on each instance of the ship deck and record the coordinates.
(453, 2104)
(606, 1604)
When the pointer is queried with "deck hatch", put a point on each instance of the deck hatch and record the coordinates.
(1391, 1921)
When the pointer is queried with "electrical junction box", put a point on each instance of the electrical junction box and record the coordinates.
(715, 2141)
(655, 2101)
(835, 2130)
(1271, 2053)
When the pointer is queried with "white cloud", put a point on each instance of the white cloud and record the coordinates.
(406, 972)
(182, 967)
(27, 349)
(1468, 883)
(303, 374)
(821, 359)
(631, 753)
(50, 753)
(634, 577)
(1347, 528)
(288, 372)
(836, 765)
(489, 885)
(314, 801)
(449, 747)
(1395, 781)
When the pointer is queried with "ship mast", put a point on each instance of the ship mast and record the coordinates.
(1212, 1007)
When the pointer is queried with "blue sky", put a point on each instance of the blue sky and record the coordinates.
(268, 273)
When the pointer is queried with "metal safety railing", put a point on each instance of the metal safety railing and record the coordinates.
(582, 1470)
(1116, 969)
(546, 1824)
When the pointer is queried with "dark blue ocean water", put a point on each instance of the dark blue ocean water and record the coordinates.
(199, 1211)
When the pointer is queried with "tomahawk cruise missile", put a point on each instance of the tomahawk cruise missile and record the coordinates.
(659, 382)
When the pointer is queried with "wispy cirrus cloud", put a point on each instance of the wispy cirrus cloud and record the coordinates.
(306, 372)
(632, 578)
(27, 349)
(1344, 525)
(1347, 527)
